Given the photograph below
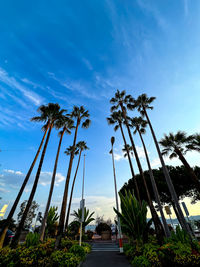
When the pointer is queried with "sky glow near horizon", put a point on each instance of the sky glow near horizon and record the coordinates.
(80, 53)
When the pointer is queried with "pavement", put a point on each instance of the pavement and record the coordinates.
(105, 259)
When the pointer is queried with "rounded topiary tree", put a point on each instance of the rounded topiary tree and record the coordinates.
(102, 226)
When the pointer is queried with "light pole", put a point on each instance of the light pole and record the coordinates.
(116, 197)
(82, 204)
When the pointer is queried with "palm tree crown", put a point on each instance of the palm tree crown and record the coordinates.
(139, 124)
(71, 149)
(121, 99)
(143, 102)
(129, 148)
(116, 118)
(49, 113)
(81, 145)
(80, 113)
(176, 142)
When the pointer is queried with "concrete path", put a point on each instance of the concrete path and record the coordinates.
(105, 259)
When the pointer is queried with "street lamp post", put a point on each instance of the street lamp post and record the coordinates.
(116, 197)
(82, 204)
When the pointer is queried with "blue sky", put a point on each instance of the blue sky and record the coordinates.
(79, 53)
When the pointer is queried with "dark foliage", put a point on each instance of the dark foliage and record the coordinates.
(184, 186)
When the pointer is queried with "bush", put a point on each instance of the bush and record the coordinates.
(67, 243)
(102, 227)
(77, 250)
(32, 239)
(141, 261)
(87, 248)
(61, 259)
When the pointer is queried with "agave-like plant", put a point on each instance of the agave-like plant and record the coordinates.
(133, 217)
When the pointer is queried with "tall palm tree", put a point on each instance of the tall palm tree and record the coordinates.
(142, 103)
(67, 124)
(177, 145)
(81, 146)
(43, 110)
(116, 118)
(79, 114)
(140, 127)
(53, 112)
(123, 101)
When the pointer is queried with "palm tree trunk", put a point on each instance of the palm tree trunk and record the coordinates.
(64, 201)
(12, 211)
(72, 189)
(189, 169)
(156, 220)
(42, 231)
(155, 189)
(21, 224)
(130, 163)
(168, 180)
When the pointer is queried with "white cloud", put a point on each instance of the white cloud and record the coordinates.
(13, 172)
(45, 178)
(14, 84)
(75, 86)
(87, 63)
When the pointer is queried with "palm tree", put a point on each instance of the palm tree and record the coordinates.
(81, 146)
(195, 142)
(43, 110)
(87, 216)
(123, 101)
(177, 145)
(142, 103)
(53, 113)
(116, 118)
(66, 124)
(79, 114)
(140, 124)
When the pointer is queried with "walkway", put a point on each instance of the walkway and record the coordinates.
(105, 254)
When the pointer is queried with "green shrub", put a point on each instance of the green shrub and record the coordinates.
(61, 259)
(150, 251)
(67, 243)
(87, 248)
(7, 256)
(32, 239)
(77, 250)
(140, 261)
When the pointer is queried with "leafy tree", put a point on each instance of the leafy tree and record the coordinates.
(179, 176)
(81, 116)
(80, 147)
(53, 113)
(66, 124)
(142, 103)
(31, 213)
(177, 145)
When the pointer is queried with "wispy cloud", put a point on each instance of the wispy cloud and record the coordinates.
(74, 86)
(155, 13)
(185, 4)
(14, 84)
